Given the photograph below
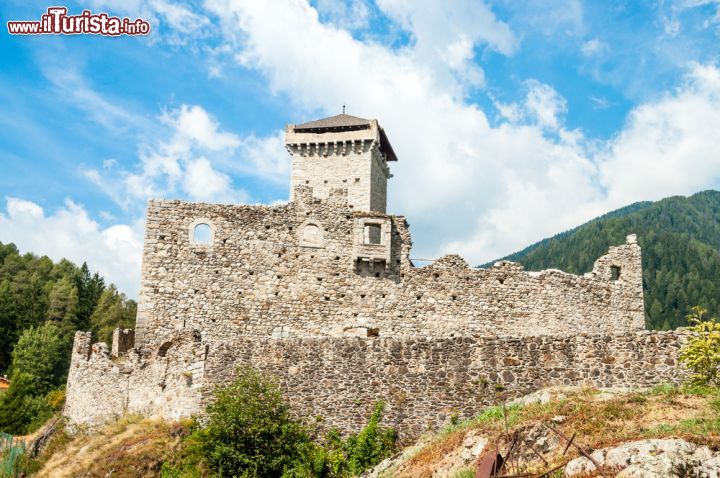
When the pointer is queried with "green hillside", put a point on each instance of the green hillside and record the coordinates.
(680, 240)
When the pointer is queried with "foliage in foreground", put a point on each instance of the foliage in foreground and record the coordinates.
(250, 432)
(701, 355)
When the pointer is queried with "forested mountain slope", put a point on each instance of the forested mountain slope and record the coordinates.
(680, 240)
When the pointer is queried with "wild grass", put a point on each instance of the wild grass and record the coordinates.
(599, 419)
(466, 473)
(130, 447)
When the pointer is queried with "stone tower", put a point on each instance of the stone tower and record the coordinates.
(344, 152)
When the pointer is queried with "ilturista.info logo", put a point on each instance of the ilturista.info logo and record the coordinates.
(57, 22)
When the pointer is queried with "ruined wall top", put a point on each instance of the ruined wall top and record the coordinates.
(318, 267)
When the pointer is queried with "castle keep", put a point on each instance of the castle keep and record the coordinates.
(321, 292)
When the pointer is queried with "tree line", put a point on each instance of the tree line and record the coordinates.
(42, 304)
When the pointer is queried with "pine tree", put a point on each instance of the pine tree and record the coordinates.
(89, 287)
(113, 310)
(31, 299)
(63, 307)
(8, 324)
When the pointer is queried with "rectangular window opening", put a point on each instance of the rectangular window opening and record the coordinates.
(614, 273)
(372, 234)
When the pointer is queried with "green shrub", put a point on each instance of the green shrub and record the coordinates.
(250, 432)
(371, 445)
(701, 355)
(21, 411)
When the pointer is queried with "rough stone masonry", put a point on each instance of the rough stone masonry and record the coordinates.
(321, 293)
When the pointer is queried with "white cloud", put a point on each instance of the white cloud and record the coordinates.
(114, 251)
(544, 105)
(488, 190)
(594, 47)
(193, 123)
(669, 146)
(265, 157)
(439, 24)
(203, 183)
(192, 160)
(446, 35)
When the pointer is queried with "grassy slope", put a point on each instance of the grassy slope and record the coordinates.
(135, 447)
(131, 447)
(692, 414)
(680, 238)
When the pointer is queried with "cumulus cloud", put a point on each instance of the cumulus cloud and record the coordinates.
(203, 183)
(668, 146)
(447, 34)
(488, 190)
(545, 105)
(194, 160)
(114, 251)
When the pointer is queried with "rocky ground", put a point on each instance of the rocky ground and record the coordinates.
(665, 432)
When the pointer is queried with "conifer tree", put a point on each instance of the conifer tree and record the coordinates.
(113, 310)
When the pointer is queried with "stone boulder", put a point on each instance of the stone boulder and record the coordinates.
(655, 458)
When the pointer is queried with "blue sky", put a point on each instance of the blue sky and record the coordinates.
(512, 120)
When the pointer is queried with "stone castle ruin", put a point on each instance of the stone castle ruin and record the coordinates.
(321, 293)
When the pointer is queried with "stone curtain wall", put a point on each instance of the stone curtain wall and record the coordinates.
(165, 382)
(290, 271)
(423, 381)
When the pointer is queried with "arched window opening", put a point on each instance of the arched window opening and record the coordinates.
(202, 234)
(312, 236)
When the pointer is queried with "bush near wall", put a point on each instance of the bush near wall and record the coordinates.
(701, 355)
(251, 432)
